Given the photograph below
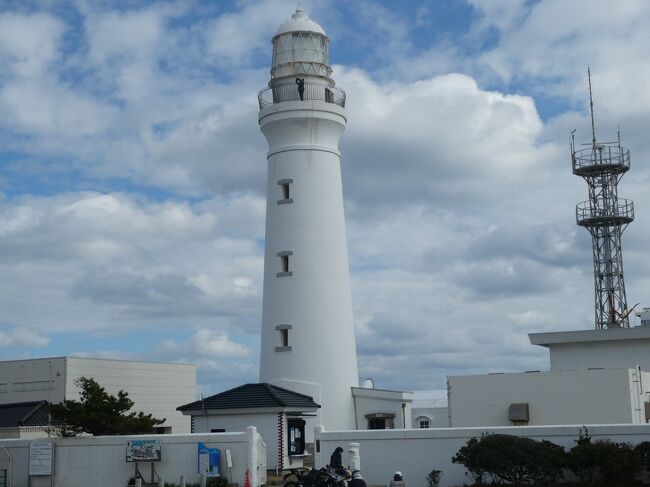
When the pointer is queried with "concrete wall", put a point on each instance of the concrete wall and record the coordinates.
(416, 452)
(101, 461)
(605, 396)
(154, 388)
(267, 427)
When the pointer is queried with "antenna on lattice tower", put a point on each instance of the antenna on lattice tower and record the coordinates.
(605, 216)
(591, 109)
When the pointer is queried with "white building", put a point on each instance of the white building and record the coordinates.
(308, 343)
(155, 388)
(277, 413)
(429, 409)
(596, 377)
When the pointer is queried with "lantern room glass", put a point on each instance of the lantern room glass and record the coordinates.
(306, 52)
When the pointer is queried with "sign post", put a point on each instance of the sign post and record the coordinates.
(41, 454)
(209, 461)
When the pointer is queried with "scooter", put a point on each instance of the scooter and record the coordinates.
(324, 477)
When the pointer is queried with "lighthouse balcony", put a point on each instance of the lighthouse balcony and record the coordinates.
(282, 92)
(600, 158)
(620, 212)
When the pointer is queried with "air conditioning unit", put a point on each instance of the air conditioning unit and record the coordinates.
(518, 413)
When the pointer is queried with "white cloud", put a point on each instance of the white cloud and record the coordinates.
(98, 261)
(208, 343)
(459, 198)
(22, 337)
(29, 44)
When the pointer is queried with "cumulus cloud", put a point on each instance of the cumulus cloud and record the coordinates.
(134, 174)
(208, 343)
(22, 337)
(106, 260)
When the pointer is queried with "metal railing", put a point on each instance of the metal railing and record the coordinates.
(619, 212)
(602, 157)
(290, 92)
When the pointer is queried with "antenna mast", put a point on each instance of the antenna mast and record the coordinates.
(605, 216)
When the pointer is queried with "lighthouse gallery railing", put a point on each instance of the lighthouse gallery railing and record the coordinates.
(312, 91)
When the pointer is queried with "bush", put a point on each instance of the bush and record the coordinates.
(512, 459)
(433, 478)
(471, 456)
(613, 463)
(643, 455)
(582, 459)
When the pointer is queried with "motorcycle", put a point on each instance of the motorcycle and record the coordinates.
(324, 477)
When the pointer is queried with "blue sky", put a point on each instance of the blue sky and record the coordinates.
(132, 177)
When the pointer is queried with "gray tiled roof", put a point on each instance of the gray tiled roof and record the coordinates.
(253, 396)
(15, 414)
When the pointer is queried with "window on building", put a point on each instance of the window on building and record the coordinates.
(284, 346)
(285, 266)
(285, 191)
(3, 387)
(39, 385)
(381, 421)
(3, 478)
(163, 430)
(217, 430)
(424, 423)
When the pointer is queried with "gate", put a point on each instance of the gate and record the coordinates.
(261, 461)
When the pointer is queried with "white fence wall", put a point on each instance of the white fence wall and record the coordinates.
(416, 452)
(101, 461)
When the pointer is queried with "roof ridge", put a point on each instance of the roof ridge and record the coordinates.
(275, 395)
(292, 392)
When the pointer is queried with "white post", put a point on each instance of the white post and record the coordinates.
(318, 463)
(251, 462)
(182, 481)
(161, 482)
(202, 481)
(354, 460)
(138, 482)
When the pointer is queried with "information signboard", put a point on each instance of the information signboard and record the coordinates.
(209, 461)
(143, 451)
(40, 457)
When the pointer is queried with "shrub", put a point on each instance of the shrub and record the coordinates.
(582, 458)
(614, 463)
(470, 456)
(433, 478)
(643, 455)
(617, 462)
(512, 459)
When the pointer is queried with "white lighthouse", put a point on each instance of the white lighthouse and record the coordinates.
(308, 343)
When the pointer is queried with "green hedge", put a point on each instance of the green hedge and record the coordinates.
(499, 459)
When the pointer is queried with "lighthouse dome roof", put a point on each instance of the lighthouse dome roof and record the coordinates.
(300, 22)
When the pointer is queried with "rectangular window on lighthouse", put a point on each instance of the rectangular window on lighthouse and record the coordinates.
(285, 191)
(284, 338)
(284, 264)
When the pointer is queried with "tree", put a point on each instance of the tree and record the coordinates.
(99, 413)
(512, 459)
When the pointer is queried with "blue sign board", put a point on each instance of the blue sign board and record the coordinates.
(209, 461)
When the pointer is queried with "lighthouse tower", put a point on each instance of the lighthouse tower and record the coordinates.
(308, 341)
